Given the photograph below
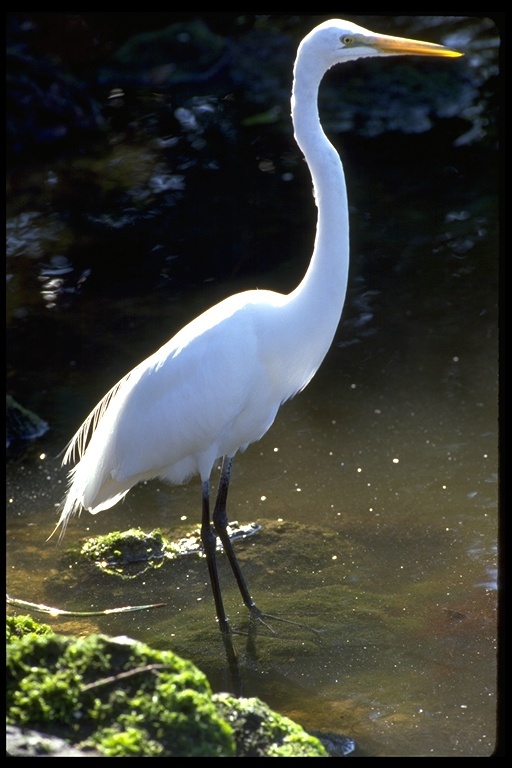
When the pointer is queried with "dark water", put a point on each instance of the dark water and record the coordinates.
(376, 488)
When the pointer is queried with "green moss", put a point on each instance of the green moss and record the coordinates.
(133, 553)
(132, 742)
(116, 694)
(19, 626)
(125, 546)
(115, 551)
(39, 689)
(127, 699)
(260, 732)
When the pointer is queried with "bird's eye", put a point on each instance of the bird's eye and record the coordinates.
(347, 40)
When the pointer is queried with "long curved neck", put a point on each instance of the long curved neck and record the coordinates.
(325, 282)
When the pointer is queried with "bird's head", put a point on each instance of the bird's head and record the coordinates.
(335, 41)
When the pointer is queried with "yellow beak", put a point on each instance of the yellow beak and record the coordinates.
(402, 45)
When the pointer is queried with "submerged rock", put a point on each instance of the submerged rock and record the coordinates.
(21, 426)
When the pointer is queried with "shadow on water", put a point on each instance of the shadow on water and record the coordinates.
(376, 488)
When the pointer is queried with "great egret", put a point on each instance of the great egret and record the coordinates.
(217, 385)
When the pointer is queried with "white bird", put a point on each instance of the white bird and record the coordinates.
(217, 385)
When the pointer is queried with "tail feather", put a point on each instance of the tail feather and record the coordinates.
(77, 445)
(91, 485)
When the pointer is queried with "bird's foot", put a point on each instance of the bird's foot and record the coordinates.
(256, 615)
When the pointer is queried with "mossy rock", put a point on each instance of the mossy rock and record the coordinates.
(126, 699)
(116, 694)
(260, 732)
(133, 553)
(19, 626)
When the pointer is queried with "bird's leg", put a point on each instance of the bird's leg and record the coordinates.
(209, 540)
(220, 521)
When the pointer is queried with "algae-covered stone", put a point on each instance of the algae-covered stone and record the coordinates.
(19, 626)
(115, 693)
(261, 732)
(126, 699)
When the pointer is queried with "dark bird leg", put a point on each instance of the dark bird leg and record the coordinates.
(209, 540)
(220, 521)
